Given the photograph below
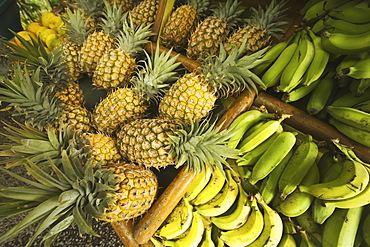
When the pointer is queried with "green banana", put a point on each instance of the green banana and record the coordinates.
(321, 58)
(273, 155)
(352, 181)
(352, 14)
(348, 152)
(349, 100)
(318, 27)
(199, 183)
(350, 116)
(261, 134)
(342, 26)
(320, 95)
(341, 227)
(269, 185)
(299, 92)
(319, 9)
(306, 222)
(223, 200)
(345, 44)
(177, 222)
(363, 106)
(298, 65)
(358, 70)
(248, 232)
(273, 226)
(238, 216)
(358, 135)
(365, 229)
(272, 75)
(298, 202)
(299, 164)
(326, 161)
(289, 230)
(271, 55)
(306, 239)
(243, 122)
(347, 61)
(308, 5)
(362, 86)
(213, 187)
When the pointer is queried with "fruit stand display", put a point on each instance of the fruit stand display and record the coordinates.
(179, 139)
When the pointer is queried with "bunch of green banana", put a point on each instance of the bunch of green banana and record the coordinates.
(365, 228)
(289, 230)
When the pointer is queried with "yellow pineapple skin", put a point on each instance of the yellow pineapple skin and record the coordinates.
(146, 142)
(188, 99)
(71, 95)
(135, 190)
(71, 53)
(144, 12)
(119, 107)
(77, 116)
(179, 27)
(94, 47)
(205, 40)
(114, 69)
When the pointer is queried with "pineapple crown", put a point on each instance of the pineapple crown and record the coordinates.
(231, 73)
(199, 5)
(75, 23)
(90, 8)
(152, 80)
(74, 194)
(113, 20)
(229, 12)
(201, 143)
(29, 98)
(131, 39)
(268, 18)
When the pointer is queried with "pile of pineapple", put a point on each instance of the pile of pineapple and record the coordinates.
(97, 163)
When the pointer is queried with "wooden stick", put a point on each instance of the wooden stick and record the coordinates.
(302, 121)
(124, 231)
(163, 206)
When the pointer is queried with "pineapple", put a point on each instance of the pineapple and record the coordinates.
(213, 30)
(92, 11)
(101, 40)
(194, 95)
(181, 23)
(261, 27)
(161, 142)
(117, 65)
(129, 103)
(74, 195)
(72, 94)
(144, 12)
(126, 4)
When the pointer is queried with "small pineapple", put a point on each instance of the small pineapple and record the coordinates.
(127, 5)
(213, 30)
(129, 103)
(117, 65)
(144, 12)
(71, 94)
(181, 23)
(101, 40)
(75, 194)
(194, 95)
(161, 142)
(261, 27)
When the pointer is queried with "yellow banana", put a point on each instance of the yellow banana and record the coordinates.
(199, 183)
(207, 237)
(352, 181)
(248, 232)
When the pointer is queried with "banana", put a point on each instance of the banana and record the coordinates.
(298, 65)
(362, 86)
(352, 14)
(273, 226)
(213, 187)
(289, 230)
(177, 222)
(347, 61)
(358, 70)
(345, 44)
(298, 202)
(271, 55)
(207, 237)
(238, 216)
(273, 155)
(272, 75)
(358, 135)
(350, 116)
(249, 231)
(348, 99)
(352, 181)
(319, 9)
(365, 229)
(299, 92)
(363, 106)
(326, 161)
(306, 222)
(194, 234)
(261, 134)
(318, 27)
(223, 200)
(306, 239)
(299, 164)
(319, 97)
(342, 26)
(348, 152)
(308, 5)
(341, 227)
(199, 183)
(321, 58)
(269, 185)
(243, 122)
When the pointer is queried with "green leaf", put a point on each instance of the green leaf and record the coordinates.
(61, 226)
(81, 221)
